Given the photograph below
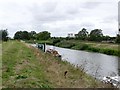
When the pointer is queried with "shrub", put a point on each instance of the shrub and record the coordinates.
(21, 77)
(94, 49)
(110, 52)
(56, 41)
(84, 47)
(65, 44)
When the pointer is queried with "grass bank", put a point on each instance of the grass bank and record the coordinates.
(24, 66)
(0, 65)
(106, 48)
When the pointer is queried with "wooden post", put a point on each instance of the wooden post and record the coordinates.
(119, 67)
(44, 47)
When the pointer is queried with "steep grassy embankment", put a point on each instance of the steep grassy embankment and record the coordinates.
(0, 65)
(24, 66)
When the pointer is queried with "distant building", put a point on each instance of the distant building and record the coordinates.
(71, 35)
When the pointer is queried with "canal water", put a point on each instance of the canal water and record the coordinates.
(95, 64)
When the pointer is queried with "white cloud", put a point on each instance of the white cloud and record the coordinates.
(59, 16)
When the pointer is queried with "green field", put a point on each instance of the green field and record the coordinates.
(24, 66)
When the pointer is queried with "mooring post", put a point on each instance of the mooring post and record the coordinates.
(119, 67)
(44, 47)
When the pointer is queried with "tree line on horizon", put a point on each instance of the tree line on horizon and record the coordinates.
(94, 35)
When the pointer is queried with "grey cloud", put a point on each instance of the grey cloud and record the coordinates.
(91, 5)
(46, 7)
(46, 13)
(49, 6)
(119, 11)
(64, 30)
(109, 31)
(49, 17)
(74, 27)
(72, 9)
(87, 24)
(41, 16)
(109, 19)
(54, 11)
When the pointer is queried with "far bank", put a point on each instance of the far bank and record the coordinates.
(100, 47)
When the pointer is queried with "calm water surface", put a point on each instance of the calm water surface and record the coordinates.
(95, 64)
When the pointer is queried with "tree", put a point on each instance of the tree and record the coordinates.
(45, 35)
(25, 35)
(32, 34)
(56, 40)
(18, 35)
(3, 35)
(106, 38)
(118, 38)
(96, 35)
(83, 34)
(22, 35)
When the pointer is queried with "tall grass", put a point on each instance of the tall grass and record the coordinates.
(28, 67)
(20, 67)
(65, 44)
(88, 47)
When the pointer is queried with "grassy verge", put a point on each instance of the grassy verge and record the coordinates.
(110, 49)
(20, 67)
(0, 65)
(25, 66)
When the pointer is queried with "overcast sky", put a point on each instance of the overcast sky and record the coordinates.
(59, 17)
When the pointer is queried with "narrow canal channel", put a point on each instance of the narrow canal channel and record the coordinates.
(95, 64)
